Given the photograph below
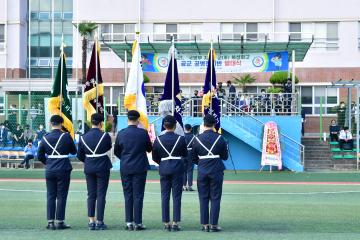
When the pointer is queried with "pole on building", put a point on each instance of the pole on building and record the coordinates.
(83, 112)
(20, 109)
(52, 38)
(321, 118)
(125, 71)
(293, 80)
(6, 107)
(29, 64)
(349, 109)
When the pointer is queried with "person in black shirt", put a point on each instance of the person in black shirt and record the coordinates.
(334, 130)
(18, 136)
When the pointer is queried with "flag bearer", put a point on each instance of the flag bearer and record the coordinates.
(208, 151)
(131, 146)
(169, 151)
(53, 151)
(189, 165)
(92, 150)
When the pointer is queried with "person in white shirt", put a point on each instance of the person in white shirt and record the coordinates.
(345, 138)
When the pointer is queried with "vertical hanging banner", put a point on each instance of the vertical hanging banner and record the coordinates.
(271, 152)
(224, 63)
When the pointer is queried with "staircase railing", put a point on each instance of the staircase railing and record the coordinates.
(290, 147)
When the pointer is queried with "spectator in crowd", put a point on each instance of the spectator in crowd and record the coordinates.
(341, 110)
(3, 134)
(196, 102)
(115, 116)
(221, 91)
(78, 127)
(39, 134)
(346, 141)
(264, 101)
(303, 121)
(241, 102)
(30, 152)
(28, 134)
(18, 136)
(288, 97)
(232, 92)
(334, 130)
(278, 103)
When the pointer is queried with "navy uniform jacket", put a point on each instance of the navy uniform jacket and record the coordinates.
(131, 146)
(66, 146)
(208, 166)
(92, 138)
(188, 138)
(171, 166)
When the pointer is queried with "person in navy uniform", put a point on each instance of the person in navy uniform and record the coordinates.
(54, 149)
(92, 150)
(189, 165)
(131, 146)
(169, 151)
(208, 151)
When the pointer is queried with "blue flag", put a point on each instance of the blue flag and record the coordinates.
(211, 106)
(166, 104)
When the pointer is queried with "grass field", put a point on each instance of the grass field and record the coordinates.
(249, 210)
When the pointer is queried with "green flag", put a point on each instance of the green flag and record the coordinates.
(60, 88)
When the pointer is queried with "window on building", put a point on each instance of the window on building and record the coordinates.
(118, 32)
(358, 35)
(2, 33)
(188, 31)
(159, 30)
(295, 31)
(171, 30)
(252, 31)
(312, 98)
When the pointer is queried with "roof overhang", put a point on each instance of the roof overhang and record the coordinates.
(234, 47)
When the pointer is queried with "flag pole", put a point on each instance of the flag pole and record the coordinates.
(61, 72)
(211, 71)
(96, 72)
(173, 76)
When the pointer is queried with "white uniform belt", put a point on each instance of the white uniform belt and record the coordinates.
(189, 149)
(96, 155)
(169, 158)
(58, 156)
(209, 157)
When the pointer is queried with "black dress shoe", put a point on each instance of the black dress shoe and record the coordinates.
(101, 226)
(51, 226)
(175, 228)
(62, 226)
(167, 227)
(215, 229)
(190, 189)
(139, 227)
(129, 227)
(205, 229)
(92, 226)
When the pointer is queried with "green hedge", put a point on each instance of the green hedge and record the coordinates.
(281, 78)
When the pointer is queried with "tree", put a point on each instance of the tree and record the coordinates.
(244, 80)
(85, 29)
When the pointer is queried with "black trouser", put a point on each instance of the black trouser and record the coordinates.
(188, 174)
(170, 183)
(57, 184)
(134, 188)
(26, 160)
(210, 190)
(334, 137)
(97, 185)
(349, 144)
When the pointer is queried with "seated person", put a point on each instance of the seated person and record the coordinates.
(30, 152)
(346, 141)
(334, 130)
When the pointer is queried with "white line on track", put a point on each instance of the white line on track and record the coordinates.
(224, 193)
